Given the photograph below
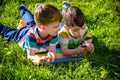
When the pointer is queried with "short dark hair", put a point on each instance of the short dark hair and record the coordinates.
(74, 17)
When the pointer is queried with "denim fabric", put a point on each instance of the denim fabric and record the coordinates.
(12, 34)
(26, 15)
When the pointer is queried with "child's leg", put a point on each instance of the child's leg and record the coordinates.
(26, 15)
(12, 34)
(7, 32)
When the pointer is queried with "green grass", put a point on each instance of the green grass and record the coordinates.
(103, 20)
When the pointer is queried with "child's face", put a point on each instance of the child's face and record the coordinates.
(52, 28)
(77, 31)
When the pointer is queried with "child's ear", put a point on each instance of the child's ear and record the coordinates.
(42, 27)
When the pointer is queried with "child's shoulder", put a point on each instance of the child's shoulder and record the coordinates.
(33, 29)
(63, 33)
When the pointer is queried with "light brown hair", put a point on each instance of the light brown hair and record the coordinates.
(74, 17)
(46, 13)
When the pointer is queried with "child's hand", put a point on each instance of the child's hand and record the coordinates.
(89, 48)
(50, 57)
(39, 61)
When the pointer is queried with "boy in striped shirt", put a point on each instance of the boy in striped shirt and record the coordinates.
(40, 33)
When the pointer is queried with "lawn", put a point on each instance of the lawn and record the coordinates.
(103, 20)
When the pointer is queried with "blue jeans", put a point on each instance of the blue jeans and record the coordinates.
(12, 34)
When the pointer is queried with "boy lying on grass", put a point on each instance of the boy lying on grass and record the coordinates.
(39, 34)
(74, 37)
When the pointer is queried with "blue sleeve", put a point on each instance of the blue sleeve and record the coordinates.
(30, 43)
(54, 41)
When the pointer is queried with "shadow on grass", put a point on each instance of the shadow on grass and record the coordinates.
(106, 57)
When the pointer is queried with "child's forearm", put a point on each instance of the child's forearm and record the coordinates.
(77, 50)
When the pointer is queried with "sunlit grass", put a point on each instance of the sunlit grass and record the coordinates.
(103, 21)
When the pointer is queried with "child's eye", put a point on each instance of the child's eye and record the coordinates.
(73, 30)
(56, 26)
(76, 29)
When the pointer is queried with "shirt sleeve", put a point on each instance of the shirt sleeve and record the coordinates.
(63, 38)
(88, 36)
(30, 43)
(54, 41)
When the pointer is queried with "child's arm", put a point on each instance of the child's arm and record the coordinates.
(52, 53)
(85, 50)
(89, 48)
(37, 60)
(66, 51)
(40, 60)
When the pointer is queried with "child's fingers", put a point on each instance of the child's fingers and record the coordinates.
(51, 56)
(47, 59)
(90, 48)
(36, 62)
(39, 61)
(89, 45)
